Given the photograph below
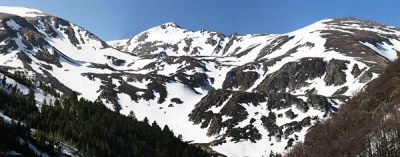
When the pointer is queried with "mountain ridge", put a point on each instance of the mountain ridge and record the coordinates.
(229, 93)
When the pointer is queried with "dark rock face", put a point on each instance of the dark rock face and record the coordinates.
(115, 61)
(47, 57)
(365, 77)
(356, 71)
(186, 63)
(321, 103)
(24, 58)
(28, 33)
(245, 52)
(240, 78)
(193, 81)
(214, 98)
(230, 101)
(150, 47)
(232, 38)
(156, 85)
(249, 132)
(293, 75)
(143, 37)
(334, 72)
(231, 105)
(54, 25)
(284, 100)
(275, 44)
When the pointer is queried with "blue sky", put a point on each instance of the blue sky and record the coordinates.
(116, 19)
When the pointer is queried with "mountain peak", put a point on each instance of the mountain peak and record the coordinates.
(21, 11)
(169, 24)
(354, 22)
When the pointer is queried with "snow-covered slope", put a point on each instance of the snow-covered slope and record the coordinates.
(21, 11)
(240, 95)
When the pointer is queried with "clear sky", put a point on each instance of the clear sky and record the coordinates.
(116, 19)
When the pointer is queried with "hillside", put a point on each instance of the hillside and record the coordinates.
(66, 126)
(367, 125)
(235, 94)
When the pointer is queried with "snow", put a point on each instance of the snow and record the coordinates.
(116, 43)
(41, 96)
(32, 147)
(224, 118)
(5, 118)
(141, 85)
(173, 35)
(13, 25)
(218, 109)
(175, 117)
(10, 153)
(20, 87)
(21, 11)
(384, 50)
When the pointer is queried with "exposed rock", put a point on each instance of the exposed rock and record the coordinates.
(245, 52)
(177, 101)
(274, 45)
(24, 58)
(356, 71)
(115, 61)
(293, 75)
(321, 103)
(335, 74)
(365, 77)
(232, 38)
(143, 37)
(241, 77)
(47, 57)
(290, 114)
(341, 91)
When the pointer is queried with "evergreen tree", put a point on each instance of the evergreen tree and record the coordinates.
(145, 120)
(132, 115)
(3, 81)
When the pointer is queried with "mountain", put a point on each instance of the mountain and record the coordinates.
(238, 95)
(44, 60)
(269, 89)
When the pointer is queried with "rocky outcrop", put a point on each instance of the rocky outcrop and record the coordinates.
(335, 74)
(241, 77)
(356, 71)
(274, 45)
(366, 77)
(293, 75)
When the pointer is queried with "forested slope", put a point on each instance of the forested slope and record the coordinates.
(90, 127)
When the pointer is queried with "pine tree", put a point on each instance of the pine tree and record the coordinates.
(3, 81)
(145, 120)
(132, 115)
